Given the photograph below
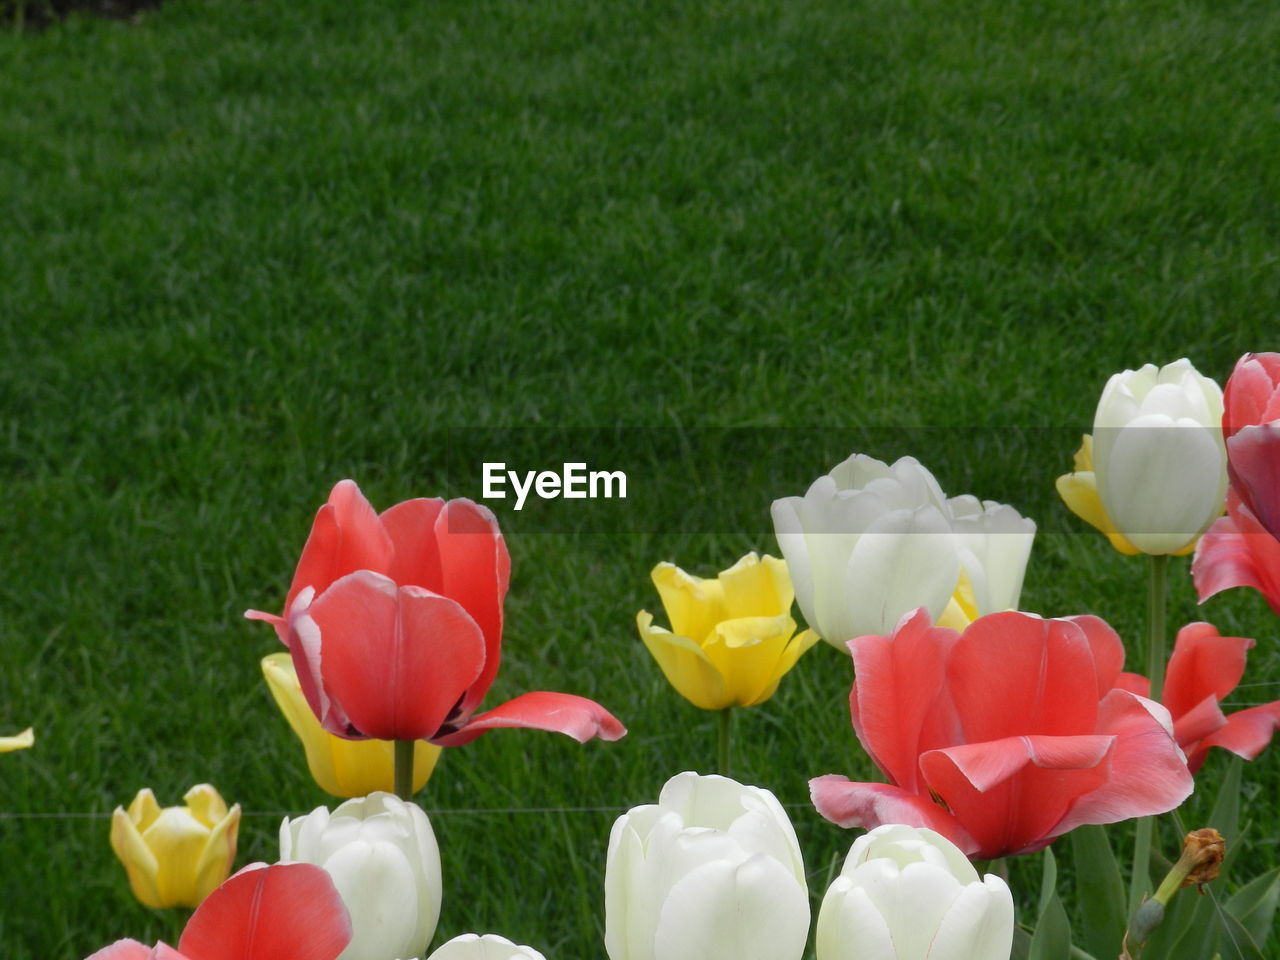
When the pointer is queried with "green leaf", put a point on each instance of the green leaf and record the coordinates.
(1100, 893)
(1237, 943)
(1052, 937)
(1254, 904)
(1021, 944)
(1225, 817)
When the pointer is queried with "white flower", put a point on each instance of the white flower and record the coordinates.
(908, 893)
(382, 856)
(489, 947)
(711, 872)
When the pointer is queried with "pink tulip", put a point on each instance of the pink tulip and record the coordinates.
(394, 622)
(1002, 737)
(261, 913)
(1204, 669)
(1251, 426)
(1237, 551)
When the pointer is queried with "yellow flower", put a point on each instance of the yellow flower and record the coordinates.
(731, 638)
(19, 742)
(177, 856)
(344, 768)
(1079, 491)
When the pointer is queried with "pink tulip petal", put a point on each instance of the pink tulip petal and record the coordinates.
(346, 536)
(411, 527)
(1253, 461)
(1204, 664)
(397, 661)
(1237, 552)
(1246, 734)
(870, 805)
(1197, 723)
(1107, 647)
(900, 703)
(475, 570)
(1250, 395)
(1134, 683)
(122, 950)
(268, 913)
(565, 713)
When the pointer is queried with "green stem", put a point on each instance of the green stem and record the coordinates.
(1140, 882)
(726, 736)
(404, 769)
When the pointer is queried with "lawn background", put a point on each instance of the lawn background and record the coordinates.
(249, 249)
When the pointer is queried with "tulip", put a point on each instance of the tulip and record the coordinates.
(907, 893)
(344, 768)
(382, 856)
(870, 542)
(394, 623)
(262, 913)
(1153, 475)
(489, 947)
(1251, 423)
(711, 872)
(1005, 736)
(177, 856)
(732, 638)
(1203, 670)
(1238, 551)
(18, 742)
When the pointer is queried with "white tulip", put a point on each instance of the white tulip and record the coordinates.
(712, 871)
(382, 856)
(908, 893)
(1158, 455)
(870, 542)
(489, 947)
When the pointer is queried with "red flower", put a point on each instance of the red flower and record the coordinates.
(1204, 669)
(1003, 737)
(262, 913)
(1237, 551)
(394, 622)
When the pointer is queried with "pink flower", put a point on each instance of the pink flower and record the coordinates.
(261, 913)
(1204, 669)
(1002, 737)
(394, 622)
(1237, 551)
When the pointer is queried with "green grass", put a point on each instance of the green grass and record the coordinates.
(250, 249)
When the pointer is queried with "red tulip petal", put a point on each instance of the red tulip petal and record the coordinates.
(1237, 552)
(1148, 772)
(411, 527)
(565, 713)
(475, 571)
(870, 805)
(266, 913)
(305, 648)
(1107, 648)
(1250, 395)
(122, 950)
(900, 703)
(1204, 664)
(1012, 793)
(1134, 683)
(1246, 733)
(397, 661)
(346, 536)
(1253, 460)
(1197, 723)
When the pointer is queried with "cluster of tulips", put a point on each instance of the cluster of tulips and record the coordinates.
(997, 731)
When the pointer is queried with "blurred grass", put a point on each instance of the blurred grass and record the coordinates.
(250, 249)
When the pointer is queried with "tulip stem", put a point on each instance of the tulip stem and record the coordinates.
(726, 736)
(404, 769)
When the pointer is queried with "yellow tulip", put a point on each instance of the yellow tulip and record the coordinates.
(18, 742)
(732, 638)
(177, 856)
(344, 768)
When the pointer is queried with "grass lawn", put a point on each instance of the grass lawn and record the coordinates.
(252, 248)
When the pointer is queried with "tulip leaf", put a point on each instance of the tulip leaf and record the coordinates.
(1237, 943)
(1254, 904)
(1100, 893)
(1052, 937)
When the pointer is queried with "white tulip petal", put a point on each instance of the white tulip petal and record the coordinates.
(850, 927)
(489, 947)
(903, 562)
(979, 925)
(376, 883)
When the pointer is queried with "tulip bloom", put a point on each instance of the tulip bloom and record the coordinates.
(907, 893)
(381, 853)
(732, 638)
(1005, 736)
(870, 542)
(18, 742)
(262, 913)
(394, 622)
(711, 872)
(344, 768)
(1153, 474)
(1204, 669)
(489, 947)
(177, 856)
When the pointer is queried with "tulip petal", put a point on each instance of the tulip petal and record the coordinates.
(693, 605)
(139, 862)
(20, 741)
(851, 927)
(489, 947)
(1250, 395)
(870, 805)
(685, 665)
(565, 713)
(378, 887)
(979, 924)
(411, 527)
(1246, 734)
(346, 536)
(1079, 491)
(218, 854)
(1204, 664)
(268, 912)
(756, 587)
(1253, 460)
(122, 950)
(396, 660)
(1197, 723)
(795, 552)
(1238, 552)
(748, 653)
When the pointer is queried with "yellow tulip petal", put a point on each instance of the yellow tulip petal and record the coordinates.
(748, 653)
(19, 741)
(694, 606)
(219, 851)
(177, 839)
(685, 666)
(1083, 460)
(206, 804)
(756, 588)
(144, 810)
(139, 862)
(1079, 491)
(798, 645)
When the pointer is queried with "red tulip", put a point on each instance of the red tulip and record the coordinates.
(262, 913)
(1251, 427)
(1237, 551)
(1204, 669)
(394, 622)
(1003, 737)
